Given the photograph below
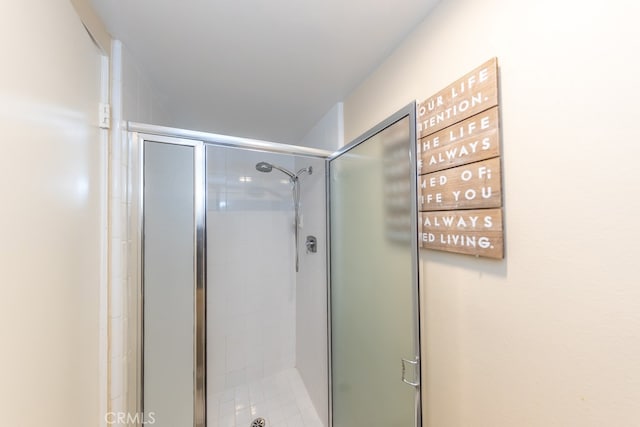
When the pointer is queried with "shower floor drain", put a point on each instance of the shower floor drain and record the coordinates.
(259, 422)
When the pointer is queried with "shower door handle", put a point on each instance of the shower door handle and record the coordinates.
(415, 363)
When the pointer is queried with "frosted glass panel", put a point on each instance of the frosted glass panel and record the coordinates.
(372, 282)
(169, 284)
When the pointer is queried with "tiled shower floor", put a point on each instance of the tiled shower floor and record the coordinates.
(281, 399)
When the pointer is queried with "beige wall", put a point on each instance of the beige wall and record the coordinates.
(549, 336)
(94, 24)
(52, 182)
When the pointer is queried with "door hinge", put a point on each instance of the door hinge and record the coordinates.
(104, 116)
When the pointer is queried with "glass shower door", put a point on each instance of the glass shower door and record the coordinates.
(373, 267)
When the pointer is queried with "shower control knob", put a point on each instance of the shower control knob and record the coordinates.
(312, 244)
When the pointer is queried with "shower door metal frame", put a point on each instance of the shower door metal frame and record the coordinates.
(140, 133)
(199, 351)
(410, 112)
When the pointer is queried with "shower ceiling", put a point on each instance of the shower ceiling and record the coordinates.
(255, 68)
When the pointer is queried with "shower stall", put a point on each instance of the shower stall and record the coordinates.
(278, 284)
(253, 226)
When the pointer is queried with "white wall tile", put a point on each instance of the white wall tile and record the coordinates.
(251, 293)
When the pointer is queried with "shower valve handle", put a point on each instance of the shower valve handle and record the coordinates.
(312, 244)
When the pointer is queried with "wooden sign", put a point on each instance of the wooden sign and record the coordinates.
(473, 232)
(475, 139)
(473, 186)
(459, 166)
(469, 95)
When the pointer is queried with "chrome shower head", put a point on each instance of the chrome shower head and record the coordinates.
(268, 167)
(264, 167)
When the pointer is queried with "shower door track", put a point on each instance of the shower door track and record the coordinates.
(227, 141)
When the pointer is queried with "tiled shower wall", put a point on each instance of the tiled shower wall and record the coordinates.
(120, 244)
(250, 269)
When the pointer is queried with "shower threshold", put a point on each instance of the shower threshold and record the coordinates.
(280, 399)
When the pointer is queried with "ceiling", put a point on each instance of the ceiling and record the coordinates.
(256, 68)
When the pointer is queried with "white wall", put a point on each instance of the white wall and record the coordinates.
(548, 336)
(328, 133)
(311, 288)
(52, 181)
(311, 296)
(142, 100)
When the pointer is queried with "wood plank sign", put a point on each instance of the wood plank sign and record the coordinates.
(472, 186)
(465, 232)
(471, 140)
(460, 182)
(469, 95)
